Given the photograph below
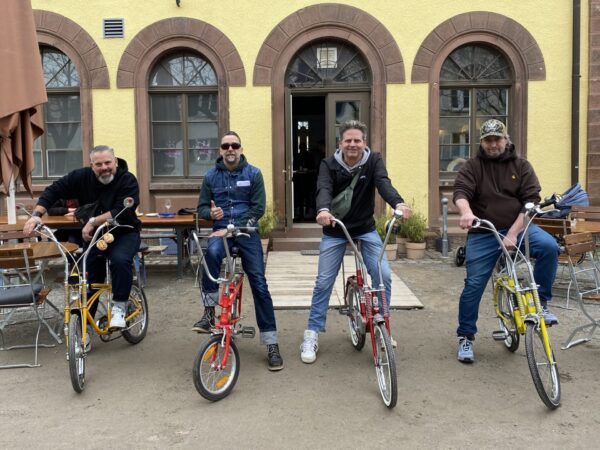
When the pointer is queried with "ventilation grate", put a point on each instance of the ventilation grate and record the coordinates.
(113, 28)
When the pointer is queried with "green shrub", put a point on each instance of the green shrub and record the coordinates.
(415, 227)
(380, 227)
(268, 222)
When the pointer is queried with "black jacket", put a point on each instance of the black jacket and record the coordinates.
(82, 185)
(333, 179)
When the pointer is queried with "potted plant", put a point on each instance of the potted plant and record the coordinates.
(391, 249)
(415, 229)
(266, 225)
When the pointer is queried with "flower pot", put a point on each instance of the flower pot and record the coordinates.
(391, 251)
(401, 246)
(415, 250)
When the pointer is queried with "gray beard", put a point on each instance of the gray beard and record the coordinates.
(106, 180)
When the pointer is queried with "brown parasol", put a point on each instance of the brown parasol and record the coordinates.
(22, 90)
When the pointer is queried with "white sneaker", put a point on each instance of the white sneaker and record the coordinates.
(117, 317)
(309, 347)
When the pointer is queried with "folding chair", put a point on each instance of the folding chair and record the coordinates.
(21, 295)
(585, 279)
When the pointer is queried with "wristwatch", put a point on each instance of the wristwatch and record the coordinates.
(92, 221)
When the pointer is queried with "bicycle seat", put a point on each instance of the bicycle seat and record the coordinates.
(234, 251)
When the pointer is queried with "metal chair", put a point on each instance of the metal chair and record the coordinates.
(585, 278)
(23, 294)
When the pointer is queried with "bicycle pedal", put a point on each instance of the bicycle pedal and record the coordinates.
(248, 332)
(344, 310)
(499, 335)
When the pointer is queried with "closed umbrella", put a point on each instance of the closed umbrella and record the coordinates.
(22, 91)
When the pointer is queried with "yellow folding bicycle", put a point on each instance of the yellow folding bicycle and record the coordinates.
(519, 312)
(78, 321)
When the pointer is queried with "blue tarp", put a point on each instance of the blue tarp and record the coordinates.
(574, 196)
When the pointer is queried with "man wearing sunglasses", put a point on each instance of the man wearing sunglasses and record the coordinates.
(234, 192)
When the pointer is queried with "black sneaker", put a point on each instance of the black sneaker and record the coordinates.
(206, 322)
(274, 358)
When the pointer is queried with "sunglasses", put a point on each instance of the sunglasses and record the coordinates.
(233, 145)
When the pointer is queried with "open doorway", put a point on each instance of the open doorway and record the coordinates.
(307, 151)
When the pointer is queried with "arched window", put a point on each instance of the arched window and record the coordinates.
(475, 85)
(184, 113)
(59, 149)
(327, 64)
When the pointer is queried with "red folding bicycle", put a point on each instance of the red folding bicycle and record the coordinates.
(217, 363)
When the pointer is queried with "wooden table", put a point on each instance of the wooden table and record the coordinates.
(180, 223)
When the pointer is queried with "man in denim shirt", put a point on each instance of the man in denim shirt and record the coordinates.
(234, 192)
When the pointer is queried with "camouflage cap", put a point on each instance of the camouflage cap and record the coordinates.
(492, 127)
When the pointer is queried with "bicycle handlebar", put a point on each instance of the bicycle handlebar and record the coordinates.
(232, 231)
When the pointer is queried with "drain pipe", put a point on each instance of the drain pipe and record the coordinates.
(576, 76)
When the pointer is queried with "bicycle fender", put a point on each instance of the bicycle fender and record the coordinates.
(378, 319)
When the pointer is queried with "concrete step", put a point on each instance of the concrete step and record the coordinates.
(295, 244)
(300, 230)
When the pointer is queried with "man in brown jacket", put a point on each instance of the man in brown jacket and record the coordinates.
(495, 185)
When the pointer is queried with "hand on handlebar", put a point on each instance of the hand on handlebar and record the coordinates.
(467, 221)
(324, 218)
(219, 233)
(31, 225)
(87, 233)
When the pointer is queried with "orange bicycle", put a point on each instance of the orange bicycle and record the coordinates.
(217, 363)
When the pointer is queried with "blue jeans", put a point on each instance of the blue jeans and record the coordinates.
(482, 253)
(250, 250)
(331, 254)
(120, 255)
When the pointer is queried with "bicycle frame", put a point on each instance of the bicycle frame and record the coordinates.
(374, 307)
(525, 290)
(231, 286)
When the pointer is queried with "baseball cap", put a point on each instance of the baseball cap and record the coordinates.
(492, 127)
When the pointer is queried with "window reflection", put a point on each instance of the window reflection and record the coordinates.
(184, 124)
(464, 107)
(59, 149)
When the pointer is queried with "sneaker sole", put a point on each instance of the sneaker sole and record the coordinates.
(275, 369)
(200, 330)
(466, 360)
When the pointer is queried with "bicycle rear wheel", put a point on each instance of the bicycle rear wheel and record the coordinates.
(506, 305)
(385, 366)
(545, 374)
(76, 353)
(212, 381)
(356, 325)
(138, 325)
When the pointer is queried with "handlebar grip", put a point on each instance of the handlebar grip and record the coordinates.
(548, 201)
(248, 230)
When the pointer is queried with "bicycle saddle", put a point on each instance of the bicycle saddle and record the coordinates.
(234, 251)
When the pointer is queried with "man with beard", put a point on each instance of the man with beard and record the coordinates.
(106, 183)
(495, 185)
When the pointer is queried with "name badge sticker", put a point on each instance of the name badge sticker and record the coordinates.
(243, 183)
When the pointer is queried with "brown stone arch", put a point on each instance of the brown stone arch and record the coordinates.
(506, 35)
(331, 20)
(181, 32)
(491, 24)
(58, 31)
(326, 21)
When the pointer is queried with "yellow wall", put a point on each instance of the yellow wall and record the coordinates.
(247, 24)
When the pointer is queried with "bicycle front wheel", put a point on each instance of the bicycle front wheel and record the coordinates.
(138, 325)
(506, 305)
(355, 320)
(75, 350)
(385, 366)
(544, 373)
(212, 381)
